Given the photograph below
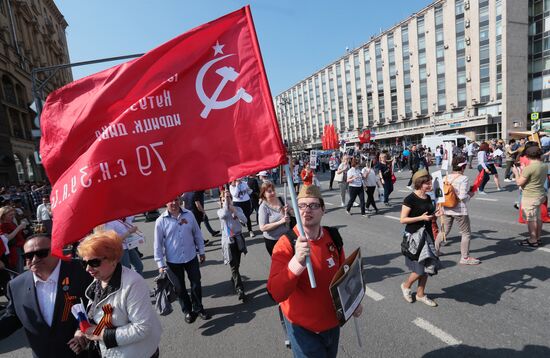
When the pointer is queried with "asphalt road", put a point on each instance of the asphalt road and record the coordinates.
(496, 309)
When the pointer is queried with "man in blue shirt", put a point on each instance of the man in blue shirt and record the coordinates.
(177, 240)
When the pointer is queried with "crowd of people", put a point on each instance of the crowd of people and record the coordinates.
(106, 273)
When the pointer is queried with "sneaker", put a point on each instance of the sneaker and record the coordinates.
(343, 204)
(507, 180)
(355, 204)
(481, 192)
(190, 317)
(347, 212)
(241, 295)
(406, 293)
(251, 234)
(204, 315)
(409, 187)
(207, 242)
(364, 215)
(469, 261)
(425, 300)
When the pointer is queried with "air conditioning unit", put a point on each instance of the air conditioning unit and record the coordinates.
(466, 5)
(467, 23)
(428, 74)
(468, 79)
(468, 58)
(467, 40)
(446, 46)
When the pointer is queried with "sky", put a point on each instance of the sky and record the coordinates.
(297, 38)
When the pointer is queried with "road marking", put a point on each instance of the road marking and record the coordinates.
(436, 332)
(544, 249)
(391, 217)
(486, 199)
(373, 294)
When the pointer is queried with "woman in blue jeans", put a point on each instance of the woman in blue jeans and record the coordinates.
(385, 173)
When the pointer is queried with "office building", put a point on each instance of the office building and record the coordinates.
(475, 67)
(32, 35)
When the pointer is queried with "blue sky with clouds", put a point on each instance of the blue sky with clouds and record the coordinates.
(297, 38)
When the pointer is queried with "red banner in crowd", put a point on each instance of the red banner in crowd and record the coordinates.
(364, 137)
(194, 113)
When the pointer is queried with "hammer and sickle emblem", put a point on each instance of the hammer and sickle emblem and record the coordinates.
(227, 74)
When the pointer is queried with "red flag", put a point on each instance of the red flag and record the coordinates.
(132, 137)
(477, 182)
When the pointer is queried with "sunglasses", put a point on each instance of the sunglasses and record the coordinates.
(38, 253)
(92, 263)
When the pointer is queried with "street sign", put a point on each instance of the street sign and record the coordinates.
(534, 116)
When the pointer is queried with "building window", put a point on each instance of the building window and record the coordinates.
(459, 7)
(461, 96)
(485, 91)
(19, 168)
(483, 52)
(9, 90)
(483, 14)
(484, 71)
(30, 168)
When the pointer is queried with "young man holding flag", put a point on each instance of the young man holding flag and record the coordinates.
(309, 314)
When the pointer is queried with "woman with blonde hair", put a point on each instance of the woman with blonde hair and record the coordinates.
(123, 322)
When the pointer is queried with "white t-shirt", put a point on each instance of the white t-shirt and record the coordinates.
(240, 192)
(369, 176)
(358, 181)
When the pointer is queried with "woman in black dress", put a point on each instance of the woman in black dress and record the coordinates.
(417, 211)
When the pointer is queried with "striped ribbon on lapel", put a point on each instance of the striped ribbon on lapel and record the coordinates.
(106, 320)
(69, 300)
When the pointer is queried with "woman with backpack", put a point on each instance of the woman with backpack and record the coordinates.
(459, 195)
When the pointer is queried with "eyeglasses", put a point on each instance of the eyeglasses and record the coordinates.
(92, 263)
(312, 206)
(38, 253)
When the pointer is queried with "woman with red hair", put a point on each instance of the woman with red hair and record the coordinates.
(123, 321)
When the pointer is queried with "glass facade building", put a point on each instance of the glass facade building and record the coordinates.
(475, 67)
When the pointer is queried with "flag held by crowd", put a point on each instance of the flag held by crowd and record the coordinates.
(191, 114)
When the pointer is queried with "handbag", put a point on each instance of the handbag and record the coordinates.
(241, 243)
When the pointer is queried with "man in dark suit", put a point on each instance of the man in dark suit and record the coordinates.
(41, 298)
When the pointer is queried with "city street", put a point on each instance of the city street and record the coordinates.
(496, 309)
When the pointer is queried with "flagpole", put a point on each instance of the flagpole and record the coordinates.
(299, 223)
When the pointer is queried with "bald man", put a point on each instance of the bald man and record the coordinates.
(40, 300)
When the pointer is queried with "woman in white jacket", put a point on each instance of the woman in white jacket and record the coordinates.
(123, 321)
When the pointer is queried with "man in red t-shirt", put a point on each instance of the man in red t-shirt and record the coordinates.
(309, 314)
